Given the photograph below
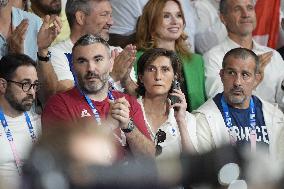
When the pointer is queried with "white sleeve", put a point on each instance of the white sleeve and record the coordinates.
(60, 64)
(212, 67)
(191, 129)
(279, 96)
(204, 136)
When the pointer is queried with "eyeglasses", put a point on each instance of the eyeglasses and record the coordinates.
(26, 86)
(160, 137)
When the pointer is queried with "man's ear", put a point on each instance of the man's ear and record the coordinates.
(222, 18)
(258, 79)
(80, 17)
(3, 85)
(221, 73)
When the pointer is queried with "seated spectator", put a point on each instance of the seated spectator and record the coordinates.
(92, 99)
(20, 31)
(52, 8)
(240, 20)
(171, 127)
(162, 26)
(236, 116)
(20, 125)
(88, 17)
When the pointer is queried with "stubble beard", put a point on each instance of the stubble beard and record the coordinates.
(19, 106)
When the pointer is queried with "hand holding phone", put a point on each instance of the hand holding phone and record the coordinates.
(174, 99)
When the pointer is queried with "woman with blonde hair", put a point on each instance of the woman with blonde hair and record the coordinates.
(161, 25)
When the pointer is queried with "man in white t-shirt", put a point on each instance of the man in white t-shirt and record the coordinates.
(88, 17)
(20, 125)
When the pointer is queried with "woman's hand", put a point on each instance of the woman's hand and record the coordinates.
(180, 107)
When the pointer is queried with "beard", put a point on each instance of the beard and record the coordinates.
(93, 87)
(22, 105)
(237, 99)
(3, 3)
(48, 9)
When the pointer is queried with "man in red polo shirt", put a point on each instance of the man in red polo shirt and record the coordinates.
(93, 99)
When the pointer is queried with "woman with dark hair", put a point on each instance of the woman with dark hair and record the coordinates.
(171, 127)
(161, 25)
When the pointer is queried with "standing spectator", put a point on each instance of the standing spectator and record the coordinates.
(92, 99)
(240, 20)
(20, 125)
(162, 26)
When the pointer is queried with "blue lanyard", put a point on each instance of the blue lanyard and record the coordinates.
(93, 107)
(88, 100)
(228, 120)
(11, 139)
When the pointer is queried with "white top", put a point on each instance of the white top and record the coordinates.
(269, 89)
(8, 170)
(171, 147)
(191, 22)
(212, 131)
(60, 62)
(125, 15)
(210, 31)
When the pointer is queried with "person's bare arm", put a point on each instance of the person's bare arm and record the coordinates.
(180, 115)
(138, 143)
(47, 76)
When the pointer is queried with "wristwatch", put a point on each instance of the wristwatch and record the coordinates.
(130, 127)
(44, 58)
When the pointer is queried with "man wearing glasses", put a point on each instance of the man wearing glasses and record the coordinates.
(20, 125)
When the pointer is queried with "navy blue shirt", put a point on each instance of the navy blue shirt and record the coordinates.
(241, 122)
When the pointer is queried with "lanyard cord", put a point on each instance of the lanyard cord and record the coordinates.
(228, 123)
(11, 139)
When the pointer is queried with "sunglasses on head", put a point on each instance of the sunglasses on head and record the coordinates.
(159, 138)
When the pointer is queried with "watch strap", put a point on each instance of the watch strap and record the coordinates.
(44, 58)
(130, 127)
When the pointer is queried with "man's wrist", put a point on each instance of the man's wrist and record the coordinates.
(130, 127)
(43, 55)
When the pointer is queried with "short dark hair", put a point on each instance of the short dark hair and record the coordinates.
(72, 6)
(10, 62)
(150, 56)
(90, 39)
(241, 53)
(223, 6)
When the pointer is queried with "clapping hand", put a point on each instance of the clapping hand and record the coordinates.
(48, 32)
(17, 37)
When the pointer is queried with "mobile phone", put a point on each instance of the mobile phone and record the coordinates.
(174, 99)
